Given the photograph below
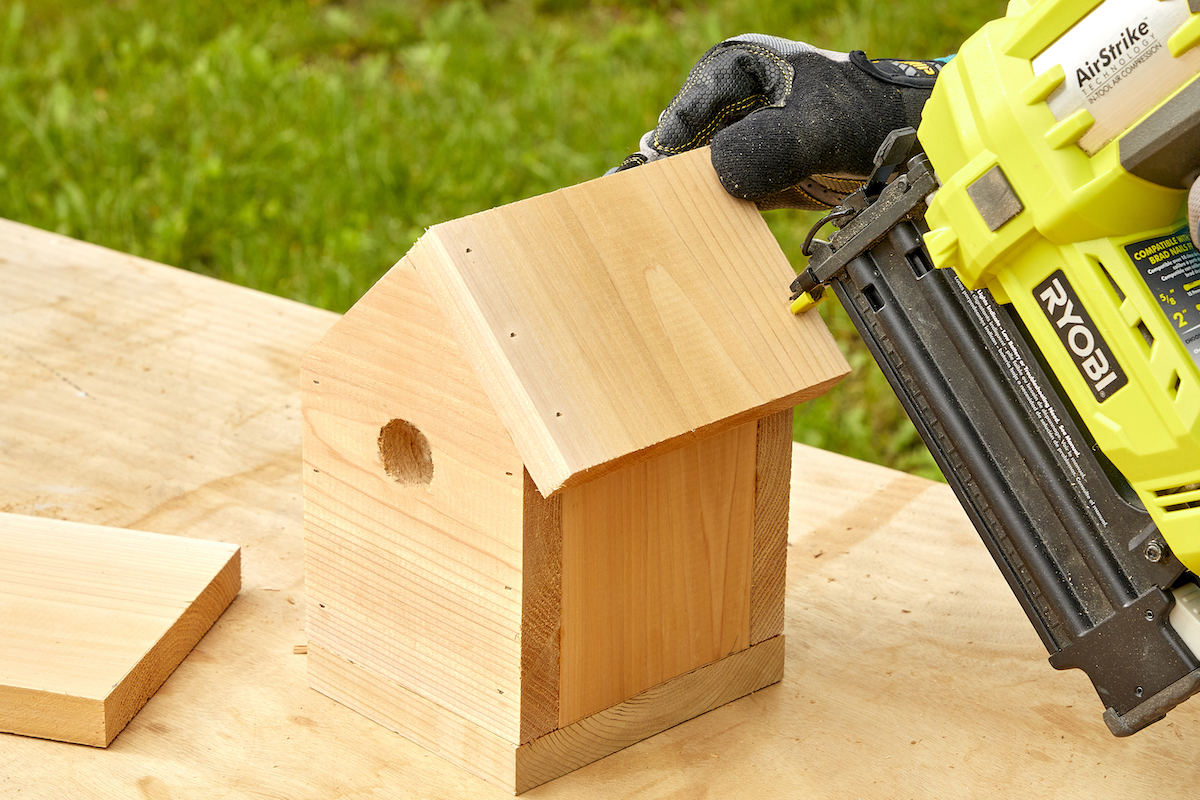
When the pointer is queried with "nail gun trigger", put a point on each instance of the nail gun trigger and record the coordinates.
(897, 148)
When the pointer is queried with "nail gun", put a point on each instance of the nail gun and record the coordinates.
(1028, 286)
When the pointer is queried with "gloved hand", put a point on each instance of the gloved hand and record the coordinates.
(790, 125)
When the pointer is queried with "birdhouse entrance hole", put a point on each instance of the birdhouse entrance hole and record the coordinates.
(405, 453)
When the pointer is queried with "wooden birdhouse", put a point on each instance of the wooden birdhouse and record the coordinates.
(546, 467)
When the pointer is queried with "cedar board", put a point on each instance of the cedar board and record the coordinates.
(94, 619)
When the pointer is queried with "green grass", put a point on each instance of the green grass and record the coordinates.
(301, 147)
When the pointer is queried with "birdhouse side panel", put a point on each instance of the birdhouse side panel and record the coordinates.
(772, 502)
(541, 613)
(656, 575)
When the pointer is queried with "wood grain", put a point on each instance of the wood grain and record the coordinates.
(541, 612)
(607, 319)
(772, 482)
(656, 570)
(653, 711)
(94, 619)
(519, 769)
(422, 583)
(461, 742)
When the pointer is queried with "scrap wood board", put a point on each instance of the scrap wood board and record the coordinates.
(93, 620)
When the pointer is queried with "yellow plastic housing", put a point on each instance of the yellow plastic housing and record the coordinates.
(1078, 212)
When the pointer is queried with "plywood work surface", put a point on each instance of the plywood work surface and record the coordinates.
(93, 620)
(910, 672)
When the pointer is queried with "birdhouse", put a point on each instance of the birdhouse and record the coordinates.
(546, 470)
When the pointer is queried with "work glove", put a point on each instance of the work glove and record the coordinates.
(790, 125)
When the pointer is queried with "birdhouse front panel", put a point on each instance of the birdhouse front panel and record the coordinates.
(413, 498)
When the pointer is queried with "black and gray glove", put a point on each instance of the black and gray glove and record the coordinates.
(790, 125)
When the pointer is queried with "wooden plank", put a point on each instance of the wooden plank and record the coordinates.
(418, 582)
(518, 769)
(651, 712)
(541, 612)
(461, 742)
(609, 318)
(656, 570)
(94, 619)
(772, 482)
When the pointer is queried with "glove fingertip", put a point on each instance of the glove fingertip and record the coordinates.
(632, 160)
(755, 157)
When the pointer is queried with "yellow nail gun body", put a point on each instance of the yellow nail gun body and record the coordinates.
(1085, 114)
(1029, 287)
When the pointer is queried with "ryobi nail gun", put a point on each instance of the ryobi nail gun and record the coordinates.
(1036, 307)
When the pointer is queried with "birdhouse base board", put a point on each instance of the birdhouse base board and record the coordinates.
(518, 768)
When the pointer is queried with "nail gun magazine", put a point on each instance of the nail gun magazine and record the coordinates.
(1029, 287)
